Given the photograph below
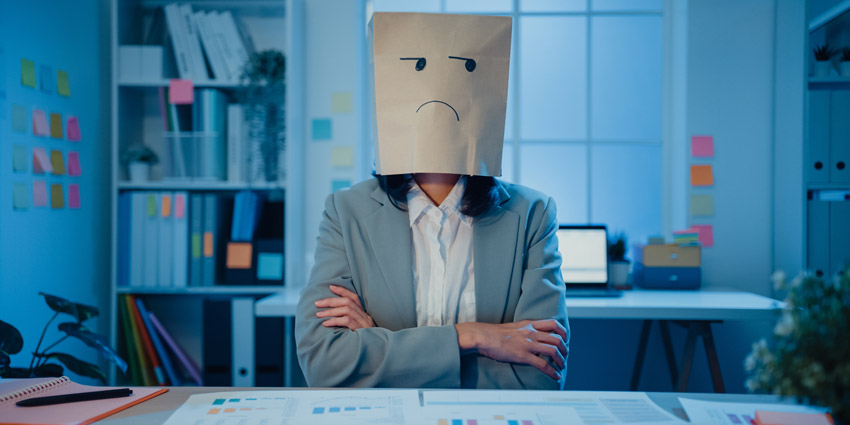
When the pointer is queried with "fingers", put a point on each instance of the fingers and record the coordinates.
(342, 322)
(544, 367)
(551, 326)
(342, 292)
(351, 318)
(551, 351)
(554, 340)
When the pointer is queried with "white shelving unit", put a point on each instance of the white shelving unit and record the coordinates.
(276, 24)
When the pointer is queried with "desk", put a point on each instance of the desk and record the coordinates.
(158, 409)
(693, 310)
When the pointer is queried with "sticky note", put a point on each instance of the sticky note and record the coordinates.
(41, 164)
(62, 86)
(28, 73)
(322, 129)
(20, 196)
(180, 205)
(39, 123)
(702, 205)
(47, 83)
(702, 146)
(56, 126)
(341, 103)
(208, 244)
(39, 194)
(19, 159)
(340, 184)
(58, 162)
(269, 266)
(19, 118)
(702, 175)
(74, 134)
(57, 196)
(166, 205)
(706, 234)
(181, 92)
(342, 157)
(74, 169)
(74, 196)
(239, 255)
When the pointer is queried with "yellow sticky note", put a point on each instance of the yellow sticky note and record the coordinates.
(28, 73)
(702, 175)
(57, 162)
(57, 198)
(55, 126)
(342, 157)
(702, 205)
(62, 85)
(341, 103)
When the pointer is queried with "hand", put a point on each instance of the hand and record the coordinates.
(519, 342)
(344, 310)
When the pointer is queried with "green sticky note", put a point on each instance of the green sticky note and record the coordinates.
(62, 86)
(28, 73)
(341, 103)
(19, 159)
(21, 197)
(196, 245)
(19, 118)
(322, 129)
(340, 184)
(151, 205)
(269, 266)
(702, 205)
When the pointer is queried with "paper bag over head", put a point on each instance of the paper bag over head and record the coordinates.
(441, 86)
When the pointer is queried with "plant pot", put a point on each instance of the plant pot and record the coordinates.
(823, 68)
(844, 69)
(618, 273)
(139, 171)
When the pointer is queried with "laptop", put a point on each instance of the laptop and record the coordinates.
(584, 261)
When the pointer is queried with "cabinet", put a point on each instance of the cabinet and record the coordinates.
(828, 145)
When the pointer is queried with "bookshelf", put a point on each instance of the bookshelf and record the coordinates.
(136, 118)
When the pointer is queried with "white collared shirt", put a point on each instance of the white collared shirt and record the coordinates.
(443, 269)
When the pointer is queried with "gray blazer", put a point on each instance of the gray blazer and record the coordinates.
(364, 245)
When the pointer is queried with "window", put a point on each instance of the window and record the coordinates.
(584, 116)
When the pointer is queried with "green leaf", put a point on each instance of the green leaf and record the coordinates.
(93, 340)
(78, 366)
(11, 342)
(81, 312)
(52, 370)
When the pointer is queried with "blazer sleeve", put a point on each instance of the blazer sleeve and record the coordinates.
(373, 357)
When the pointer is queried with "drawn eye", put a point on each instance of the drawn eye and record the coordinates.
(470, 63)
(420, 62)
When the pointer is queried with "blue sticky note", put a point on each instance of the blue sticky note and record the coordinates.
(269, 266)
(21, 196)
(19, 159)
(322, 129)
(47, 83)
(340, 184)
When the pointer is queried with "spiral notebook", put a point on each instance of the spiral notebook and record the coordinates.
(79, 413)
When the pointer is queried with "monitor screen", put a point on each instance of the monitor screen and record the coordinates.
(584, 254)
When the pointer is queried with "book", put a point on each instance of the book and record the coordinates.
(157, 344)
(236, 139)
(190, 366)
(199, 67)
(180, 241)
(196, 212)
(210, 239)
(137, 239)
(133, 362)
(179, 44)
(145, 340)
(166, 239)
(144, 369)
(214, 55)
(14, 390)
(151, 240)
(231, 32)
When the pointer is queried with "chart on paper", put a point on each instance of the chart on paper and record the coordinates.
(497, 415)
(255, 407)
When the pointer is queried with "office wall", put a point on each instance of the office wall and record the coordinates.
(66, 251)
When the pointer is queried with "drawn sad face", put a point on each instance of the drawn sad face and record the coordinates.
(440, 92)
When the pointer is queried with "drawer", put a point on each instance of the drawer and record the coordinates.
(668, 256)
(667, 277)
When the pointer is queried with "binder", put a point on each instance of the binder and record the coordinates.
(151, 235)
(839, 138)
(173, 17)
(242, 326)
(817, 161)
(199, 68)
(197, 229)
(157, 344)
(217, 342)
(191, 368)
(235, 141)
(268, 352)
(209, 239)
(124, 230)
(146, 343)
(166, 239)
(180, 241)
(818, 237)
(137, 239)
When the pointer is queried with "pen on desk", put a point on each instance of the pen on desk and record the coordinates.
(71, 398)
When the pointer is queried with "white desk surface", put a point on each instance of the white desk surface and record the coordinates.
(634, 304)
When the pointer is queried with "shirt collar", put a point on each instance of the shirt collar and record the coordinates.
(418, 203)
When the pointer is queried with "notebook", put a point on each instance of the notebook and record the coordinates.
(83, 412)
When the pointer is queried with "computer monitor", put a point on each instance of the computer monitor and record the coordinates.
(584, 255)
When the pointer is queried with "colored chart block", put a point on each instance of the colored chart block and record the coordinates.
(702, 175)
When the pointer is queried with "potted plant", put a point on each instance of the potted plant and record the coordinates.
(618, 264)
(844, 65)
(823, 65)
(262, 95)
(42, 363)
(809, 357)
(139, 159)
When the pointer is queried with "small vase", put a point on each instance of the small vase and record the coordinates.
(139, 171)
(618, 274)
(844, 69)
(822, 68)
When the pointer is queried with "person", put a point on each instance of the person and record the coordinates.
(434, 273)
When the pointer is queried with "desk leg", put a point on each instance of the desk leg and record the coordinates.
(287, 350)
(668, 351)
(644, 338)
(711, 355)
(688, 358)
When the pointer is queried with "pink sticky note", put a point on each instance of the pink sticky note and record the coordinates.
(39, 123)
(39, 194)
(706, 234)
(180, 206)
(74, 169)
(702, 146)
(74, 129)
(73, 196)
(181, 92)
(41, 162)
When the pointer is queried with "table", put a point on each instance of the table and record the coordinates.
(696, 311)
(158, 409)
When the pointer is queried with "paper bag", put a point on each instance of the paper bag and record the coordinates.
(441, 86)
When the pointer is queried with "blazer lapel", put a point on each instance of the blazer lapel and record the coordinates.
(494, 249)
(389, 232)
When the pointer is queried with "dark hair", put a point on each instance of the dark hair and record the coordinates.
(479, 197)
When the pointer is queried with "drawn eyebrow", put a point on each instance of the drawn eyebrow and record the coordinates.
(460, 58)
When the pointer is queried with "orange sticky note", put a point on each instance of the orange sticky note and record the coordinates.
(239, 255)
(181, 92)
(208, 244)
(57, 197)
(74, 169)
(55, 126)
(702, 175)
(57, 162)
(706, 234)
(74, 196)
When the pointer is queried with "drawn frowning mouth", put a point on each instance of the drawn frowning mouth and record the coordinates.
(439, 101)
